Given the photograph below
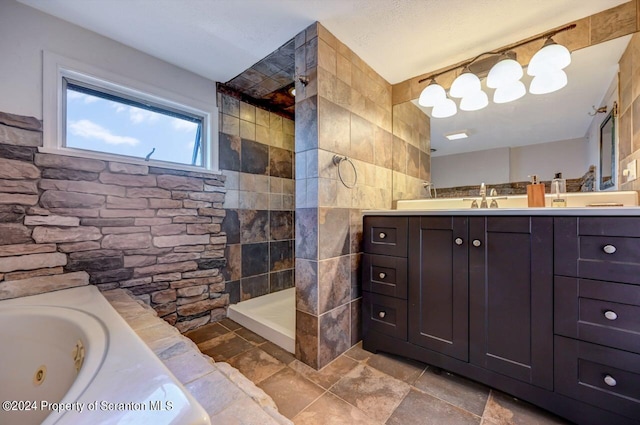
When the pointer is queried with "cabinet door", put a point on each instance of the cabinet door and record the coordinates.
(511, 297)
(438, 285)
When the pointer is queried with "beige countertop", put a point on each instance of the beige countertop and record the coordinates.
(584, 211)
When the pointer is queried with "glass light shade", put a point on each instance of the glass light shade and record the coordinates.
(474, 102)
(444, 109)
(432, 95)
(548, 82)
(552, 56)
(503, 73)
(466, 84)
(509, 93)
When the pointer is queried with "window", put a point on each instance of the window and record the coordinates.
(112, 120)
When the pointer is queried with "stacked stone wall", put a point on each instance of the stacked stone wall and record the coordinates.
(67, 221)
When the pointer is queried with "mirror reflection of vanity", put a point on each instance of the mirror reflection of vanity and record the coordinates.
(536, 134)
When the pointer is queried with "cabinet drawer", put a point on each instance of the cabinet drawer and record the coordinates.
(385, 275)
(602, 312)
(385, 235)
(598, 248)
(384, 314)
(601, 376)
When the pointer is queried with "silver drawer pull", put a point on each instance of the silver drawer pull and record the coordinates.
(609, 249)
(611, 315)
(382, 235)
(458, 241)
(382, 275)
(476, 242)
(610, 381)
(382, 314)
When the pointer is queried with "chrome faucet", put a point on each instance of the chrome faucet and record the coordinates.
(483, 194)
(493, 196)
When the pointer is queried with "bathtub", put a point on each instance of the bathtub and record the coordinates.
(68, 357)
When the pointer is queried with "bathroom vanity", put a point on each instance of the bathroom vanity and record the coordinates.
(543, 304)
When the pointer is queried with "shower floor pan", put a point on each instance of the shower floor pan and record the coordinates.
(271, 316)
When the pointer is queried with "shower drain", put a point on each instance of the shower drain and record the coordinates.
(38, 377)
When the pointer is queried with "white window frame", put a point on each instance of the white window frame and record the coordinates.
(56, 67)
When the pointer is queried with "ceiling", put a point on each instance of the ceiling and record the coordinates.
(219, 39)
(248, 44)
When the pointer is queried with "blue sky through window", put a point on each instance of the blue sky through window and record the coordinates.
(103, 125)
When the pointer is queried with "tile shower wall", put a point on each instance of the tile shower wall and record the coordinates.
(256, 156)
(68, 222)
(344, 110)
(411, 151)
(629, 111)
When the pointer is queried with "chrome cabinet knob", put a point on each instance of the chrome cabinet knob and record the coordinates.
(382, 314)
(610, 381)
(382, 235)
(382, 275)
(458, 241)
(476, 242)
(609, 249)
(611, 315)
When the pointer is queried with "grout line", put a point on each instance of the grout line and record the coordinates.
(448, 402)
(309, 405)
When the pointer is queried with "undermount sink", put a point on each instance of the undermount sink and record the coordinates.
(574, 200)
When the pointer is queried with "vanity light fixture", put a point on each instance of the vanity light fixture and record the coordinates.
(465, 84)
(546, 66)
(432, 94)
(457, 136)
(444, 109)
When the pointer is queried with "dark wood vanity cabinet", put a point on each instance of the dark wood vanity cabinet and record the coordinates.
(538, 307)
(478, 285)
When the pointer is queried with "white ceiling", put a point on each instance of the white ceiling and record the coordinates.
(400, 39)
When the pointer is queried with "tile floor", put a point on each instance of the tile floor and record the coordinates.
(362, 388)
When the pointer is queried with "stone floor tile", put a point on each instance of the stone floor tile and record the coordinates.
(215, 392)
(420, 408)
(278, 352)
(330, 410)
(329, 374)
(371, 391)
(406, 370)
(256, 364)
(357, 353)
(291, 391)
(242, 413)
(189, 366)
(468, 395)
(229, 324)
(252, 337)
(206, 332)
(156, 332)
(225, 347)
(166, 348)
(503, 409)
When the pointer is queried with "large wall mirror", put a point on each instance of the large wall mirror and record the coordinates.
(608, 151)
(536, 134)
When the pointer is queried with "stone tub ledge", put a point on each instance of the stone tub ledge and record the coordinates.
(226, 394)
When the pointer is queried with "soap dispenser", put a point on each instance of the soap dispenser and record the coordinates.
(558, 184)
(535, 193)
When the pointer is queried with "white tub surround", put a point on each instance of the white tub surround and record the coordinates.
(227, 395)
(128, 382)
(125, 369)
(272, 316)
